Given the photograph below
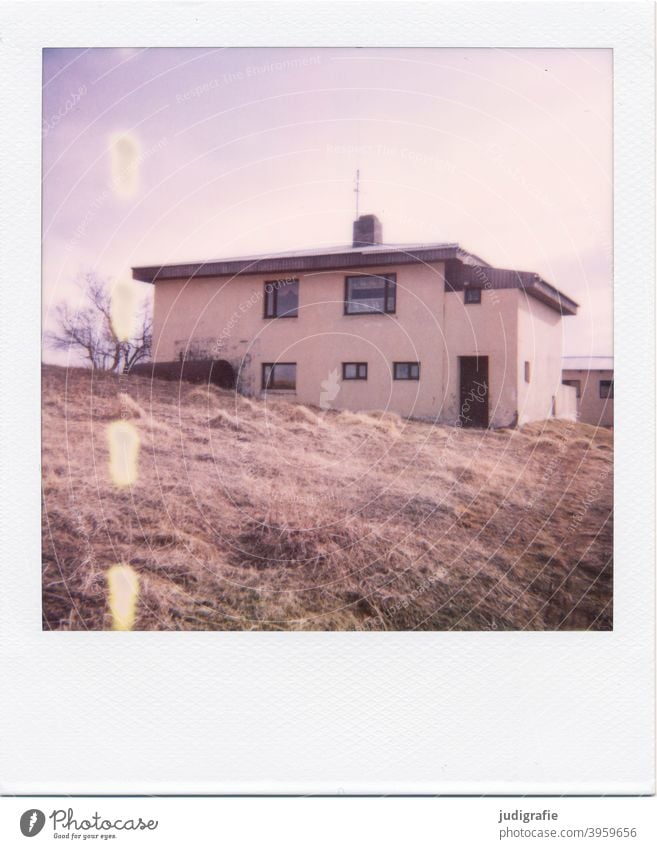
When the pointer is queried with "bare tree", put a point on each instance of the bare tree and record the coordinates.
(88, 330)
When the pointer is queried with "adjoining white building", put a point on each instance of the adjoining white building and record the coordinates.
(593, 380)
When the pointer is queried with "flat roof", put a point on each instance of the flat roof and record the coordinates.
(311, 259)
(592, 363)
(333, 257)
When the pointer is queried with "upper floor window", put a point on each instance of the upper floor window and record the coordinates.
(279, 376)
(406, 371)
(606, 388)
(354, 371)
(281, 299)
(528, 371)
(370, 293)
(471, 295)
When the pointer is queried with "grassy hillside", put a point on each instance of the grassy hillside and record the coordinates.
(254, 515)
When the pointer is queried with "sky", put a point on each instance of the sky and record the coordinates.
(152, 156)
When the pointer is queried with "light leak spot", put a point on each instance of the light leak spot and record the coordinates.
(123, 584)
(123, 309)
(124, 158)
(123, 439)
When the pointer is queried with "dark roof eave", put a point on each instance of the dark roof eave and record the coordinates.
(545, 292)
(460, 275)
(279, 265)
(531, 283)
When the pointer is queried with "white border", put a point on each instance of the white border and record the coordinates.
(331, 713)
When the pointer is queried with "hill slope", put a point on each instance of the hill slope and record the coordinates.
(254, 515)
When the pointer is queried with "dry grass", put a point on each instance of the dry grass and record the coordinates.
(253, 515)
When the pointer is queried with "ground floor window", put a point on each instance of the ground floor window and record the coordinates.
(354, 371)
(406, 371)
(606, 388)
(279, 376)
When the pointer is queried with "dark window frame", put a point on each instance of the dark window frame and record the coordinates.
(276, 286)
(266, 384)
(471, 295)
(410, 365)
(609, 384)
(390, 278)
(359, 367)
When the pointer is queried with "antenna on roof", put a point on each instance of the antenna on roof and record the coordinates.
(357, 190)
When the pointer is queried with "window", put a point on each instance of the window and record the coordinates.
(471, 295)
(607, 389)
(354, 371)
(406, 371)
(528, 371)
(577, 384)
(281, 299)
(370, 293)
(279, 376)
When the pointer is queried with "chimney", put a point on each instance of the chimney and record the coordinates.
(367, 231)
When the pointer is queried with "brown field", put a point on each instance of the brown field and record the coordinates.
(269, 516)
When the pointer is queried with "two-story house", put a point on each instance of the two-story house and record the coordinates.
(424, 330)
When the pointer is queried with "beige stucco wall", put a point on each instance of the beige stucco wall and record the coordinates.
(592, 409)
(224, 318)
(488, 329)
(540, 342)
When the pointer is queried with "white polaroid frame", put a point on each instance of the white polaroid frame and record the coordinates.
(331, 713)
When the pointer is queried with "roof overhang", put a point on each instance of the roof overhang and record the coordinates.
(301, 263)
(458, 276)
(547, 293)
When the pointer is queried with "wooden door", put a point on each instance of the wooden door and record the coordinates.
(473, 375)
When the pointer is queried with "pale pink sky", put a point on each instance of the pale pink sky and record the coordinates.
(508, 152)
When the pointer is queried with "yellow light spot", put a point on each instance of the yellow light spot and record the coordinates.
(123, 583)
(124, 157)
(123, 309)
(123, 439)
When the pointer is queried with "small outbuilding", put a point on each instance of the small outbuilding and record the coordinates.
(593, 380)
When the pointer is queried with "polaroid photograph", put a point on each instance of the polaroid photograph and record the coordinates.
(274, 407)
(317, 481)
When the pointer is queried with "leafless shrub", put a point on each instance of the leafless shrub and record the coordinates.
(88, 331)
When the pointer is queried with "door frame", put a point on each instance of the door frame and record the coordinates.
(482, 364)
